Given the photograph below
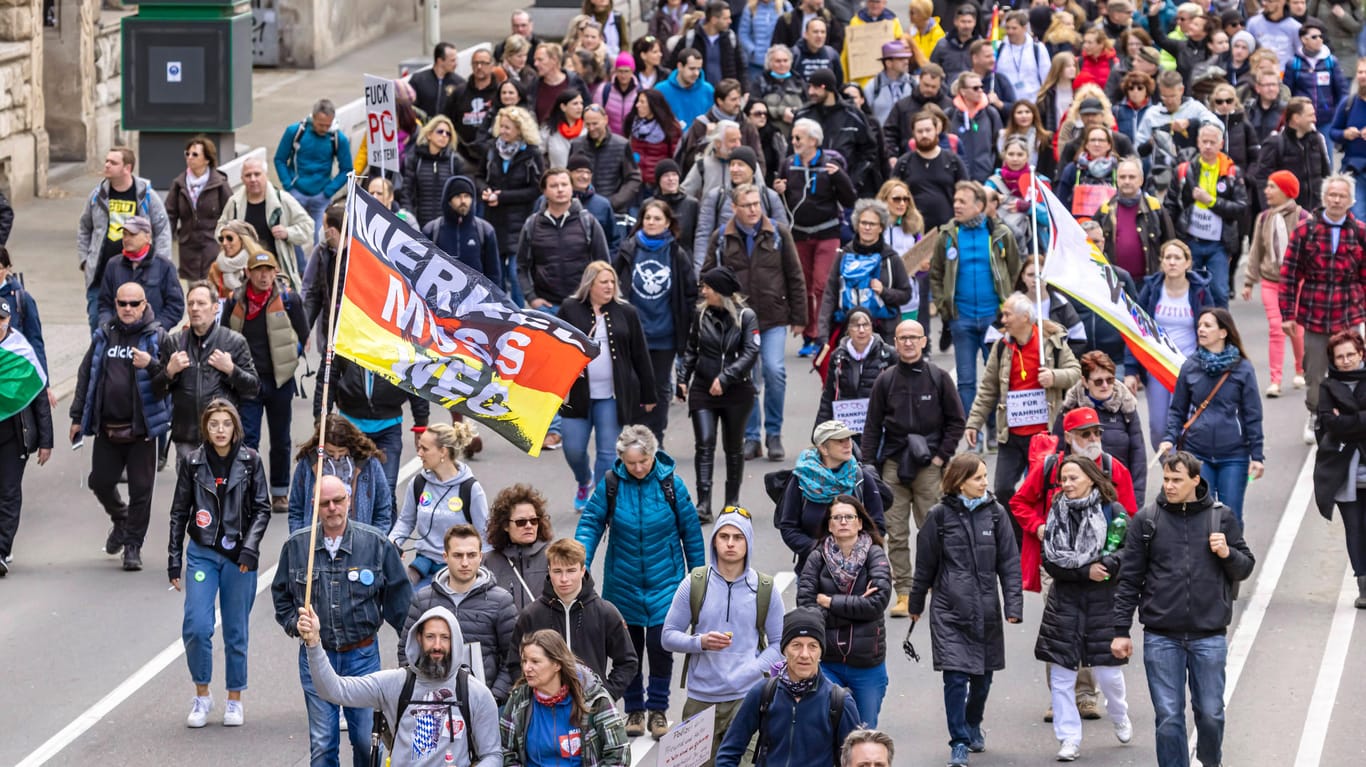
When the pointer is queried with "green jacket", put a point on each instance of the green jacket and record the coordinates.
(1058, 357)
(1005, 266)
(604, 739)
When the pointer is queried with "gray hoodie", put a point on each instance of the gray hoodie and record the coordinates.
(426, 519)
(725, 675)
(424, 735)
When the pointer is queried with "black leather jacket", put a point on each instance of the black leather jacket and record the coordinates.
(201, 383)
(241, 518)
(719, 348)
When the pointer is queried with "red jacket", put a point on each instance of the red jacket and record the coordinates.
(1322, 290)
(648, 156)
(1094, 70)
(1031, 511)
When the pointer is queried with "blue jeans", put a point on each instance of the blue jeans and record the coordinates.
(773, 370)
(602, 417)
(209, 574)
(92, 306)
(868, 685)
(315, 205)
(965, 702)
(390, 440)
(968, 343)
(324, 736)
(1359, 207)
(651, 695)
(1170, 664)
(1212, 256)
(275, 404)
(1227, 477)
(1159, 403)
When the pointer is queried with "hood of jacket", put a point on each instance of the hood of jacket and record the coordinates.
(454, 186)
(1200, 505)
(442, 582)
(413, 643)
(745, 526)
(1122, 401)
(673, 80)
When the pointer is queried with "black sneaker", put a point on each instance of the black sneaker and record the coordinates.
(4, 567)
(112, 544)
(132, 557)
(775, 448)
(753, 449)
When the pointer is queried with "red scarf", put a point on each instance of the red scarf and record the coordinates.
(552, 700)
(1012, 179)
(256, 301)
(138, 255)
(572, 132)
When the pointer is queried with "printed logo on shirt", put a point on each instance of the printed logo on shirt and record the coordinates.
(571, 745)
(120, 352)
(120, 211)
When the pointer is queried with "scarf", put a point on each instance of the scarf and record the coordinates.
(571, 132)
(1012, 179)
(974, 222)
(232, 269)
(845, 569)
(648, 131)
(552, 700)
(1280, 236)
(654, 243)
(195, 184)
(138, 256)
(1215, 364)
(1075, 531)
(970, 110)
(819, 484)
(1099, 168)
(973, 503)
(508, 149)
(256, 301)
(797, 689)
(1128, 202)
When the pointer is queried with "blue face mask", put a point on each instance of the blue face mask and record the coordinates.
(972, 503)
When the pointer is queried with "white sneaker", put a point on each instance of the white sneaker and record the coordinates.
(234, 716)
(199, 713)
(1299, 380)
(1273, 391)
(1124, 730)
(1309, 437)
(1070, 751)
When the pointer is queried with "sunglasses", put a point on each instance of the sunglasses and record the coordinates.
(528, 522)
(758, 113)
(1222, 102)
(441, 132)
(1109, 381)
(900, 198)
(191, 153)
(741, 510)
(128, 304)
(226, 238)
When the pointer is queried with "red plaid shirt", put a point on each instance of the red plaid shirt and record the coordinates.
(1323, 290)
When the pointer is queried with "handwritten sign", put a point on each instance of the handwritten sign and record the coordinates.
(853, 412)
(688, 744)
(864, 44)
(381, 127)
(1026, 407)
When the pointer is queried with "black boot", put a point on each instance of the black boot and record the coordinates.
(704, 505)
(706, 469)
(1360, 602)
(735, 474)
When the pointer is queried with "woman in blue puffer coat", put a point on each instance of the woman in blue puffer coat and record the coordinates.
(655, 540)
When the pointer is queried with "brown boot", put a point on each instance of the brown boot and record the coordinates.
(279, 504)
(902, 608)
(1089, 708)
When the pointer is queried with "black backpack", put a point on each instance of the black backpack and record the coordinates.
(461, 703)
(775, 485)
(612, 484)
(837, 695)
(466, 490)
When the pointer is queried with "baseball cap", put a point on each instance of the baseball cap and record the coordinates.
(263, 259)
(1080, 418)
(137, 225)
(1090, 107)
(828, 430)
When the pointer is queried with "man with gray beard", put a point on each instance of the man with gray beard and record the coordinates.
(1082, 434)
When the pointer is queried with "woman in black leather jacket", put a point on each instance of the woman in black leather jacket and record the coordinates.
(222, 488)
(714, 379)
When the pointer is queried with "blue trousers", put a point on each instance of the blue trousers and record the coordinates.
(969, 343)
(654, 695)
(1359, 206)
(92, 306)
(965, 702)
(315, 205)
(324, 734)
(209, 574)
(868, 685)
(1212, 256)
(1227, 477)
(274, 404)
(772, 369)
(390, 440)
(1170, 665)
(602, 418)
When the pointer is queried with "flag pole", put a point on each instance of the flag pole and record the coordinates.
(1038, 270)
(327, 383)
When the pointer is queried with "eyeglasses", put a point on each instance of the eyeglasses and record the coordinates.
(842, 518)
(226, 238)
(741, 510)
(1313, 37)
(908, 339)
(129, 304)
(594, 108)
(649, 39)
(191, 153)
(1222, 102)
(869, 224)
(527, 522)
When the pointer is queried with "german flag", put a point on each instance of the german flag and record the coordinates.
(432, 326)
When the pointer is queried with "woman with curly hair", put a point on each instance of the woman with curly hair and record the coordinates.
(518, 531)
(444, 493)
(353, 458)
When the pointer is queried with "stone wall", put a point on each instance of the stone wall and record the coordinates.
(81, 62)
(107, 88)
(23, 141)
(314, 33)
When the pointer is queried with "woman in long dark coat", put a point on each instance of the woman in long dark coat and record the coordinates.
(193, 204)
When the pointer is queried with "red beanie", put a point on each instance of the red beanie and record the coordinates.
(1287, 183)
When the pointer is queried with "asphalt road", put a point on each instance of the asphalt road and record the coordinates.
(93, 673)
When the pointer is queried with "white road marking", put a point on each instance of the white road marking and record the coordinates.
(408, 469)
(1277, 554)
(1315, 731)
(104, 706)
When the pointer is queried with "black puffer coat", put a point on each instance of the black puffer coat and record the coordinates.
(855, 627)
(518, 188)
(1341, 433)
(849, 378)
(424, 180)
(486, 614)
(1078, 620)
(963, 555)
(633, 380)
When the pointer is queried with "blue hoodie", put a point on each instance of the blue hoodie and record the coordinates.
(686, 103)
(309, 170)
(725, 675)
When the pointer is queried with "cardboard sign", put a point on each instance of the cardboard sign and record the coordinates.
(381, 126)
(1027, 407)
(853, 412)
(864, 44)
(688, 744)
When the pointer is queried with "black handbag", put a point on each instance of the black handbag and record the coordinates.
(915, 455)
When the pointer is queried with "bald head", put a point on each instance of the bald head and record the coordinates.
(910, 341)
(129, 302)
(334, 505)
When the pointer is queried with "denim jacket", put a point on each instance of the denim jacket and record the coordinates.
(356, 592)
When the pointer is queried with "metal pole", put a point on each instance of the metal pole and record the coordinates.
(431, 25)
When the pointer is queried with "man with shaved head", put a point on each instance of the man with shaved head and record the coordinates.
(913, 424)
(280, 222)
(116, 403)
(359, 585)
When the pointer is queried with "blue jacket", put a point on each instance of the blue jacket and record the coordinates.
(371, 501)
(1321, 81)
(686, 103)
(1351, 113)
(309, 170)
(87, 403)
(651, 547)
(795, 738)
(159, 282)
(756, 29)
(1127, 117)
(468, 239)
(1148, 296)
(1231, 427)
(28, 323)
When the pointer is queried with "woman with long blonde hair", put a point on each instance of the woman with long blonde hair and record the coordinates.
(1055, 95)
(432, 162)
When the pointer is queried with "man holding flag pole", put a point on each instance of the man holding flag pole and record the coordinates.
(25, 425)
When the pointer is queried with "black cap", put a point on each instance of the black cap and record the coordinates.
(722, 280)
(666, 166)
(580, 162)
(1090, 107)
(744, 154)
(804, 622)
(824, 78)
(460, 185)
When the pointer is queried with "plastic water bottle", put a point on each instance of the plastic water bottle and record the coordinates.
(1114, 534)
